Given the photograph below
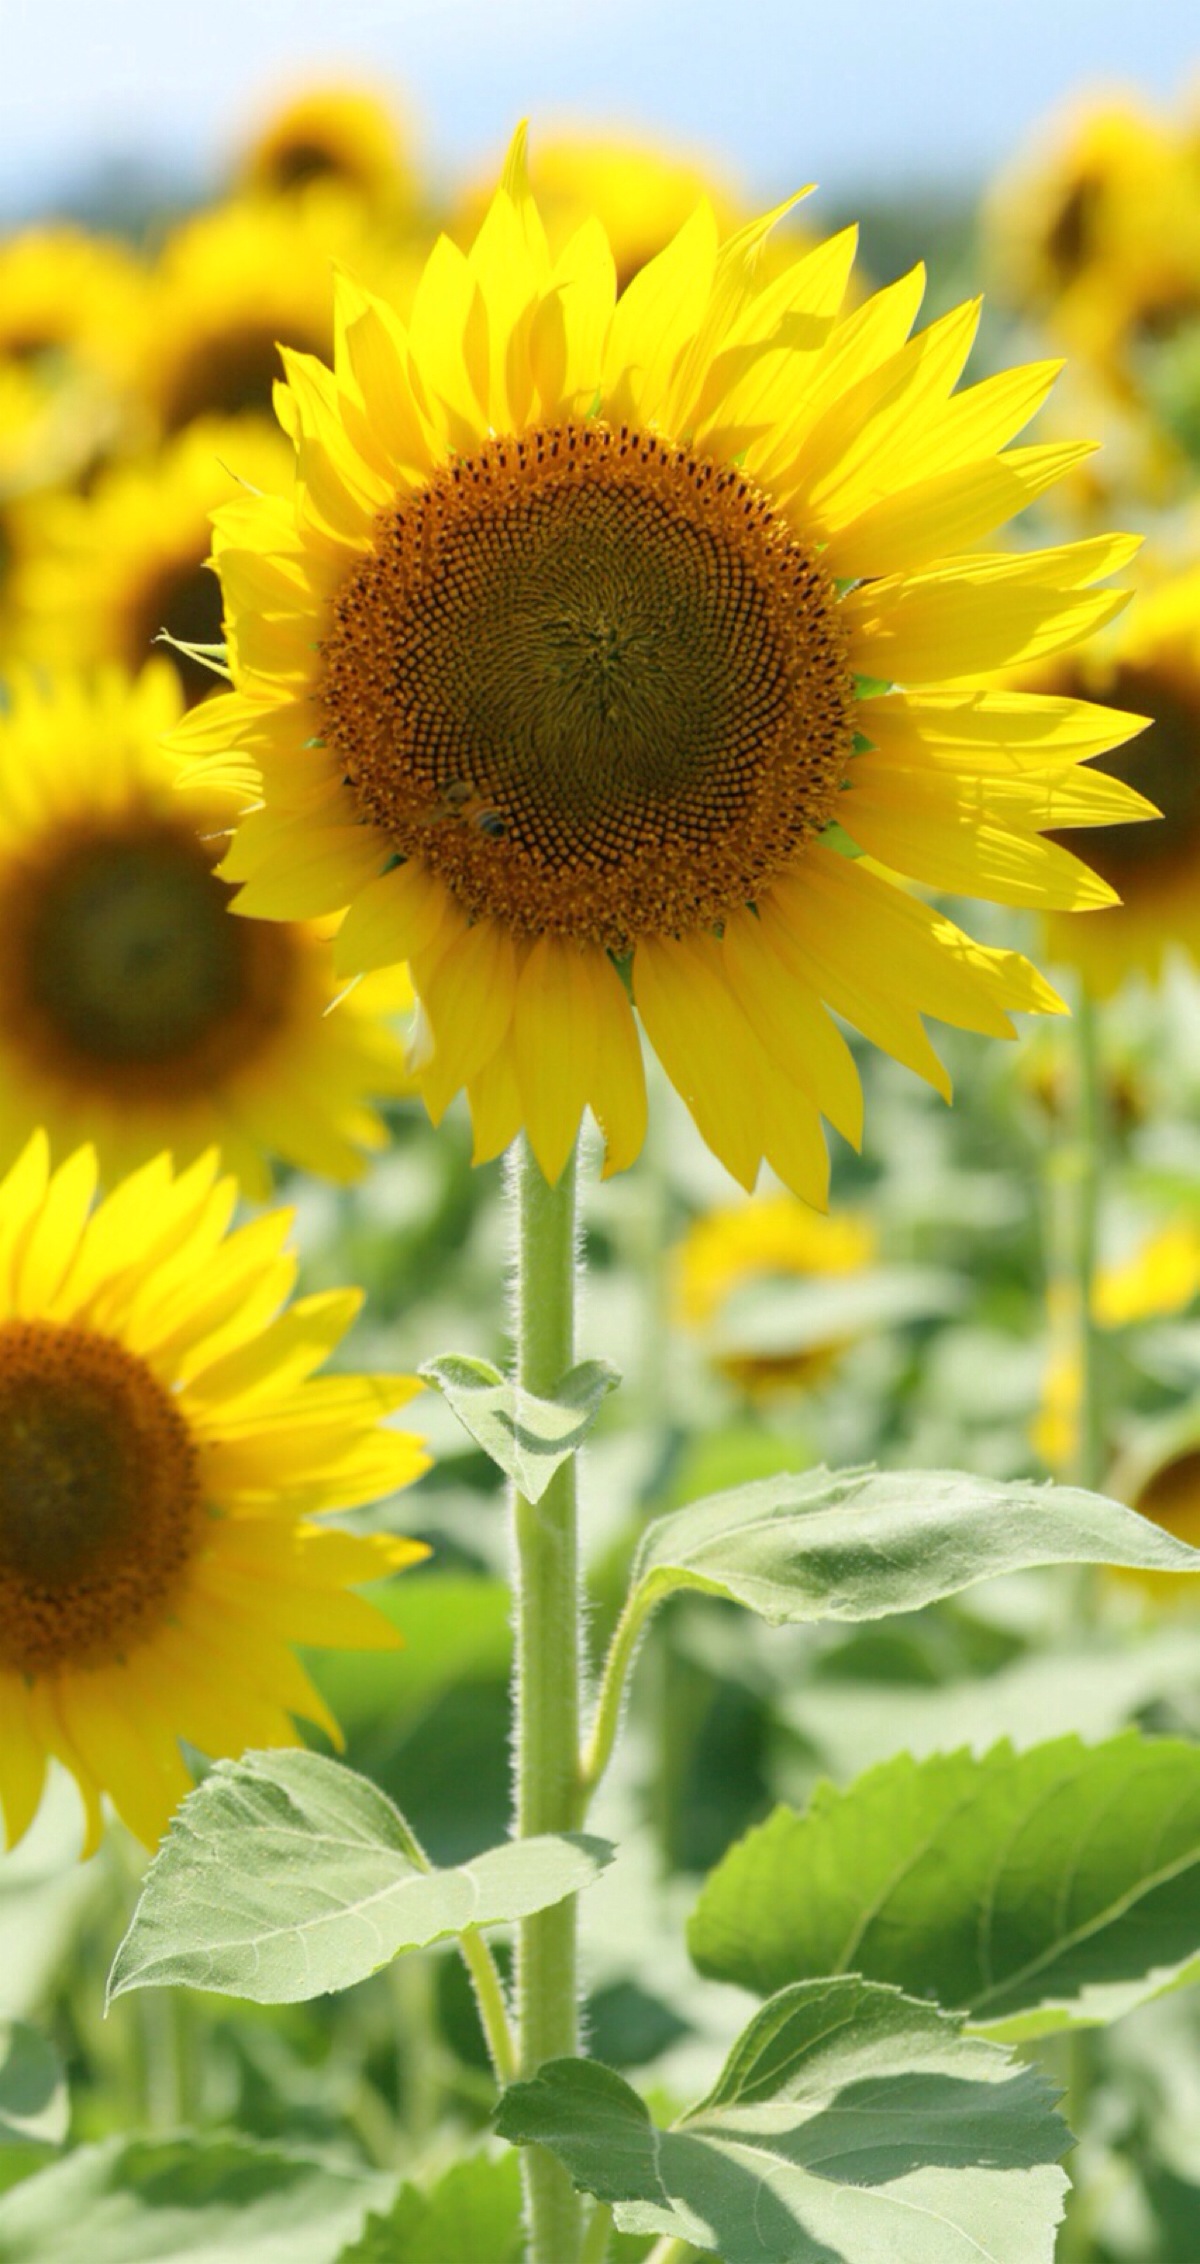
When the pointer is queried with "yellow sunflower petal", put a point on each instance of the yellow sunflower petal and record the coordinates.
(695, 1028)
(618, 1094)
(495, 1103)
(792, 1025)
(22, 1761)
(949, 512)
(469, 997)
(554, 1036)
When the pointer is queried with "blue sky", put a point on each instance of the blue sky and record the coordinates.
(878, 92)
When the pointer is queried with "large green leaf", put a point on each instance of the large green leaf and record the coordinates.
(215, 2201)
(1031, 1890)
(862, 1543)
(284, 1875)
(528, 1437)
(849, 2124)
(33, 2092)
(471, 2216)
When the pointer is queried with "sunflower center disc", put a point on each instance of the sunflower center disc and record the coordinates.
(100, 1503)
(1163, 763)
(129, 966)
(228, 374)
(593, 682)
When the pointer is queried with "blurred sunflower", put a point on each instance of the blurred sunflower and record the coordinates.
(742, 1247)
(651, 567)
(1167, 1491)
(69, 297)
(640, 193)
(165, 1452)
(234, 283)
(339, 133)
(133, 1010)
(1152, 666)
(1098, 231)
(29, 456)
(97, 576)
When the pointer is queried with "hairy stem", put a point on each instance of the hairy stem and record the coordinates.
(1092, 1450)
(547, 1627)
(489, 1997)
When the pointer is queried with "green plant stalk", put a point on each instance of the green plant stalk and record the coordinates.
(1092, 1454)
(547, 1678)
(606, 1719)
(596, 2238)
(669, 2250)
(485, 1980)
(489, 1997)
(1091, 1464)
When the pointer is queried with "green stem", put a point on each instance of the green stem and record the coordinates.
(485, 1980)
(548, 1652)
(1092, 1449)
(1075, 2236)
(489, 1996)
(596, 2238)
(606, 1720)
(669, 2250)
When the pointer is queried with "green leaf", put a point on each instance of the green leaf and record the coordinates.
(862, 1543)
(1032, 1891)
(774, 1317)
(471, 2216)
(529, 1438)
(33, 2091)
(284, 1875)
(849, 2123)
(1094, 1691)
(221, 2201)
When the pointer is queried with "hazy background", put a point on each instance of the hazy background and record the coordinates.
(913, 94)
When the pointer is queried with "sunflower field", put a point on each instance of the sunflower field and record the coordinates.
(600, 1208)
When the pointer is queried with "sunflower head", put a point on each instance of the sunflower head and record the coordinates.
(1150, 664)
(563, 671)
(100, 577)
(235, 282)
(346, 134)
(166, 1453)
(68, 298)
(132, 1006)
(1097, 229)
(731, 1254)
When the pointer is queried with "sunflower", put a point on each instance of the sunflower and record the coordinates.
(165, 1453)
(1098, 231)
(67, 297)
(1167, 1491)
(234, 283)
(339, 133)
(640, 193)
(1152, 665)
(133, 1010)
(742, 1247)
(651, 566)
(96, 577)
